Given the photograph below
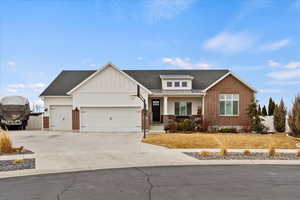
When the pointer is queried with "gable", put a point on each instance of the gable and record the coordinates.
(108, 80)
(230, 83)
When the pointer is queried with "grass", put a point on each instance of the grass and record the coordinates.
(219, 140)
(5, 143)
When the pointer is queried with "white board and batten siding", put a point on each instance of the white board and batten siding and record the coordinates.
(106, 103)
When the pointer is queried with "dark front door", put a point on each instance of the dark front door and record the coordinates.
(156, 110)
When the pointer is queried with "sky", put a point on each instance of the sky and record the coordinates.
(259, 40)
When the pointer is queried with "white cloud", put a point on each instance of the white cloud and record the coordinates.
(292, 65)
(230, 42)
(283, 82)
(270, 91)
(166, 9)
(11, 63)
(285, 75)
(37, 87)
(186, 63)
(275, 45)
(273, 63)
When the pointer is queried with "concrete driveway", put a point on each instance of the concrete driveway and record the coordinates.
(72, 151)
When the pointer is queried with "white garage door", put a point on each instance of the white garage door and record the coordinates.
(127, 119)
(61, 117)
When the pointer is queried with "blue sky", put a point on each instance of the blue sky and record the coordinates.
(257, 39)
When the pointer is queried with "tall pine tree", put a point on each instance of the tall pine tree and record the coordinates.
(280, 117)
(271, 107)
(264, 111)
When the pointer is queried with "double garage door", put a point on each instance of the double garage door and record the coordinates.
(113, 119)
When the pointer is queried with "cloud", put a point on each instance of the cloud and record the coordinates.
(270, 91)
(227, 42)
(11, 63)
(166, 9)
(292, 65)
(36, 87)
(273, 63)
(283, 82)
(140, 58)
(275, 45)
(186, 63)
(285, 75)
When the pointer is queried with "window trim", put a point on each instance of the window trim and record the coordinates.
(232, 99)
(185, 83)
(186, 104)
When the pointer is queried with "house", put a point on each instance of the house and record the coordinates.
(104, 100)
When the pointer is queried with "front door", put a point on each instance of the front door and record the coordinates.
(156, 110)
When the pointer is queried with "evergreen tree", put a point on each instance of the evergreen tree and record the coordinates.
(255, 119)
(294, 117)
(259, 110)
(271, 107)
(264, 111)
(280, 117)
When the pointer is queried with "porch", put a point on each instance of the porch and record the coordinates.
(178, 108)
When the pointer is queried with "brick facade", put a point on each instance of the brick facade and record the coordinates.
(229, 85)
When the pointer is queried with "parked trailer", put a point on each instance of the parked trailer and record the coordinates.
(14, 112)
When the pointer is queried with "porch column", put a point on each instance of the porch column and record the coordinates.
(165, 105)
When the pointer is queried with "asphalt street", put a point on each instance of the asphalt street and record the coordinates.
(160, 183)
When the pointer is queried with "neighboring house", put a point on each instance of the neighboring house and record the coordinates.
(104, 100)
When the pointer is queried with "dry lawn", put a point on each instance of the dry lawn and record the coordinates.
(218, 140)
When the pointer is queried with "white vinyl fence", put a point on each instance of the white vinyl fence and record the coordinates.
(35, 122)
(268, 122)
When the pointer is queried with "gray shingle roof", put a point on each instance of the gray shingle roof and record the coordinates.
(67, 80)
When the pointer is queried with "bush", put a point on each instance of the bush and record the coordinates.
(255, 120)
(280, 117)
(204, 153)
(247, 153)
(5, 143)
(223, 152)
(227, 130)
(294, 117)
(197, 124)
(171, 125)
(298, 153)
(272, 152)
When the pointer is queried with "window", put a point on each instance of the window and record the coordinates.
(177, 84)
(183, 108)
(184, 84)
(169, 84)
(229, 104)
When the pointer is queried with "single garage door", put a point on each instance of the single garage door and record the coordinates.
(125, 119)
(61, 117)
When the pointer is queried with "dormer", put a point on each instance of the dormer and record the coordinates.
(176, 82)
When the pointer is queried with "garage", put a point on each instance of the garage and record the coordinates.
(61, 118)
(112, 119)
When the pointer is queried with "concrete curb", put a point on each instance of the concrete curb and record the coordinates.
(30, 172)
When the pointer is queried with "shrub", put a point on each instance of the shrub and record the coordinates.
(247, 153)
(5, 143)
(298, 153)
(171, 125)
(280, 117)
(272, 152)
(196, 124)
(185, 125)
(294, 117)
(223, 152)
(227, 130)
(204, 153)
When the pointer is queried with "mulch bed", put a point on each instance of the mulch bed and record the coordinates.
(240, 156)
(11, 165)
